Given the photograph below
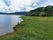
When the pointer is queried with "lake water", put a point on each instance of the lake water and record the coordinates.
(7, 22)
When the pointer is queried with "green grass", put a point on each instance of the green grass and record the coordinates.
(32, 28)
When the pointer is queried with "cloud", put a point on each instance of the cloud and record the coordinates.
(22, 5)
(7, 2)
(18, 5)
(40, 3)
(3, 7)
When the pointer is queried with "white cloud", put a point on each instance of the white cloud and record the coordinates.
(3, 7)
(17, 5)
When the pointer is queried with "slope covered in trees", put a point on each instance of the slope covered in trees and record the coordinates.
(42, 11)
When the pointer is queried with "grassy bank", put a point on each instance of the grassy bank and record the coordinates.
(32, 28)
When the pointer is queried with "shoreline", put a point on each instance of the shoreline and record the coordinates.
(13, 27)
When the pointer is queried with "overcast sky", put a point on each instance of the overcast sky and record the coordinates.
(22, 5)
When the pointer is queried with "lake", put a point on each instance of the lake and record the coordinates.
(7, 22)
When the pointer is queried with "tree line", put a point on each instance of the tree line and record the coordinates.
(41, 11)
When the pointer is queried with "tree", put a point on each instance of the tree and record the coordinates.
(42, 11)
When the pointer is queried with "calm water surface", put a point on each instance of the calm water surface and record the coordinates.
(7, 22)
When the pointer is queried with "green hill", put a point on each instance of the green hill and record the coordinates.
(42, 11)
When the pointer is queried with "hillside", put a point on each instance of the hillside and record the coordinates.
(42, 11)
(14, 13)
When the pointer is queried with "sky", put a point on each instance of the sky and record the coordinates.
(9, 6)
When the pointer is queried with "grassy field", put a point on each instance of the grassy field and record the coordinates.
(32, 28)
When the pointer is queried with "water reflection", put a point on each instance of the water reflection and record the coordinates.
(7, 22)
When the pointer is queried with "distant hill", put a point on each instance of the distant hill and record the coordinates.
(41, 11)
(15, 13)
